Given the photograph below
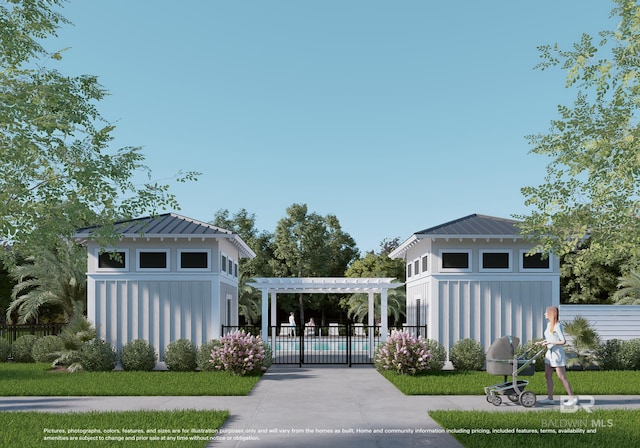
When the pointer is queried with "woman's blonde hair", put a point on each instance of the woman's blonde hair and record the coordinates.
(553, 313)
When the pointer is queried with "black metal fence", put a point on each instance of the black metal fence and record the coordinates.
(331, 344)
(13, 332)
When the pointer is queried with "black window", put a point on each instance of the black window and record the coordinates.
(416, 267)
(153, 260)
(230, 270)
(194, 260)
(535, 261)
(455, 260)
(495, 260)
(424, 263)
(112, 260)
(409, 270)
(224, 263)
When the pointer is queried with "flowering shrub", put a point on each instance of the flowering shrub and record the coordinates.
(239, 353)
(402, 353)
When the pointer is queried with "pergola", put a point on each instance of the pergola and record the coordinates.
(324, 285)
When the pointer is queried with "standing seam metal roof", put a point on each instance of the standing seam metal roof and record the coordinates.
(474, 225)
(169, 225)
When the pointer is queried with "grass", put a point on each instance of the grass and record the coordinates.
(38, 429)
(541, 429)
(37, 379)
(608, 382)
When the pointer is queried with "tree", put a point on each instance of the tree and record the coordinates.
(57, 171)
(309, 245)
(592, 184)
(243, 224)
(55, 278)
(586, 277)
(378, 265)
(629, 290)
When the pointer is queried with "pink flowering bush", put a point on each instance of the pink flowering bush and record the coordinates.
(239, 353)
(402, 353)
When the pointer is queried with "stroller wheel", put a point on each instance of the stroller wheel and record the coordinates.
(528, 399)
(514, 398)
(497, 401)
(489, 399)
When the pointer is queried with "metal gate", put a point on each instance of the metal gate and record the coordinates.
(332, 344)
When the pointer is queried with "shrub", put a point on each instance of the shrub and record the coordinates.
(180, 356)
(203, 356)
(22, 347)
(582, 345)
(467, 354)
(630, 354)
(609, 354)
(98, 356)
(46, 349)
(268, 356)
(438, 355)
(5, 349)
(402, 353)
(138, 355)
(239, 353)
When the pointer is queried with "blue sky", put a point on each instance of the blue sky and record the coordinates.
(394, 116)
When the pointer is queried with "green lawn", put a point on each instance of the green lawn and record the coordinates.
(142, 429)
(38, 380)
(473, 383)
(541, 429)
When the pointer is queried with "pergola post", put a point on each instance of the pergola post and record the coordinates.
(265, 315)
(371, 320)
(274, 319)
(384, 315)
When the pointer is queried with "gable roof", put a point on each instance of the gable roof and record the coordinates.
(169, 225)
(471, 226)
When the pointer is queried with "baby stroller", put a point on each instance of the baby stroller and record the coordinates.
(502, 360)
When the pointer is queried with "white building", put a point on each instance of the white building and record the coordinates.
(472, 278)
(173, 278)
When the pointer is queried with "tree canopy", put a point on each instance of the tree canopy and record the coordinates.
(592, 184)
(57, 169)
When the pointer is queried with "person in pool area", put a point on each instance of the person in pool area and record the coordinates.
(555, 358)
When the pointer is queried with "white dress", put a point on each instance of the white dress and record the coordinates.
(555, 355)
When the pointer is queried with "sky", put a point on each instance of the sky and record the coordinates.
(395, 116)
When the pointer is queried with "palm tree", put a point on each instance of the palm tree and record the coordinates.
(249, 303)
(583, 343)
(54, 277)
(628, 292)
(358, 305)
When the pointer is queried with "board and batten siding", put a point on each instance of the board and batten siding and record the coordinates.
(153, 310)
(485, 310)
(610, 321)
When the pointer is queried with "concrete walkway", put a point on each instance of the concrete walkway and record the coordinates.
(316, 406)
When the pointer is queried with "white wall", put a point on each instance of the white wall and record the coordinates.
(610, 321)
(157, 311)
(485, 310)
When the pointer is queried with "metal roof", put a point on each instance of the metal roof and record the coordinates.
(471, 226)
(169, 225)
(475, 225)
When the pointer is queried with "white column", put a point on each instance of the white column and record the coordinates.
(384, 315)
(274, 320)
(265, 315)
(371, 321)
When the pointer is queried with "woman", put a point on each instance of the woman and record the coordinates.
(555, 358)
